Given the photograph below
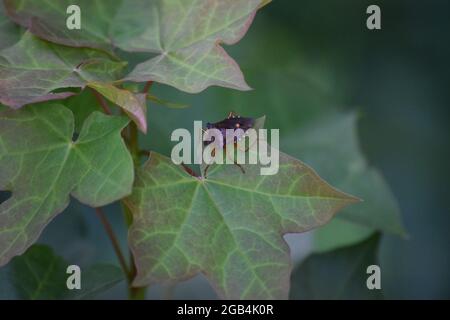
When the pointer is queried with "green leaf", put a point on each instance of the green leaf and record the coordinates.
(82, 105)
(339, 274)
(339, 233)
(134, 104)
(41, 165)
(96, 279)
(31, 69)
(41, 274)
(228, 226)
(184, 35)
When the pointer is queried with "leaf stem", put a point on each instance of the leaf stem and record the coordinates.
(134, 293)
(137, 293)
(102, 102)
(115, 243)
(147, 87)
(131, 138)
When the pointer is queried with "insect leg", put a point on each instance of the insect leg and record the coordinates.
(234, 161)
(240, 167)
(206, 170)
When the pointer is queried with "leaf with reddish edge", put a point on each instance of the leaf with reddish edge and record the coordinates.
(42, 166)
(33, 69)
(185, 35)
(134, 104)
(228, 226)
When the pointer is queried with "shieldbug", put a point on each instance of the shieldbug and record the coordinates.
(232, 121)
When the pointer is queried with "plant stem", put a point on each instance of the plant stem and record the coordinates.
(134, 293)
(102, 102)
(133, 143)
(137, 293)
(147, 87)
(115, 243)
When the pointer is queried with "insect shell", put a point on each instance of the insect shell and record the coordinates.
(233, 121)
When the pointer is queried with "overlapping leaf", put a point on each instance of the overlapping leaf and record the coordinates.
(41, 274)
(134, 104)
(228, 226)
(185, 35)
(31, 69)
(82, 105)
(41, 165)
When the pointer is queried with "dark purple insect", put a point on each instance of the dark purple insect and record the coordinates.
(233, 121)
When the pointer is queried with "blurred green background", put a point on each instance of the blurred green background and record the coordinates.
(367, 109)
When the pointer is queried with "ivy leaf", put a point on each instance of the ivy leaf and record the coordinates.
(41, 274)
(228, 226)
(338, 274)
(31, 69)
(41, 165)
(184, 35)
(134, 104)
(82, 105)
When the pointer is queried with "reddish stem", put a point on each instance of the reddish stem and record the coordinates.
(115, 243)
(147, 87)
(102, 102)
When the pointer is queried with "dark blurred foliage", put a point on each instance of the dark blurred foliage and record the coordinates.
(314, 279)
(399, 78)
